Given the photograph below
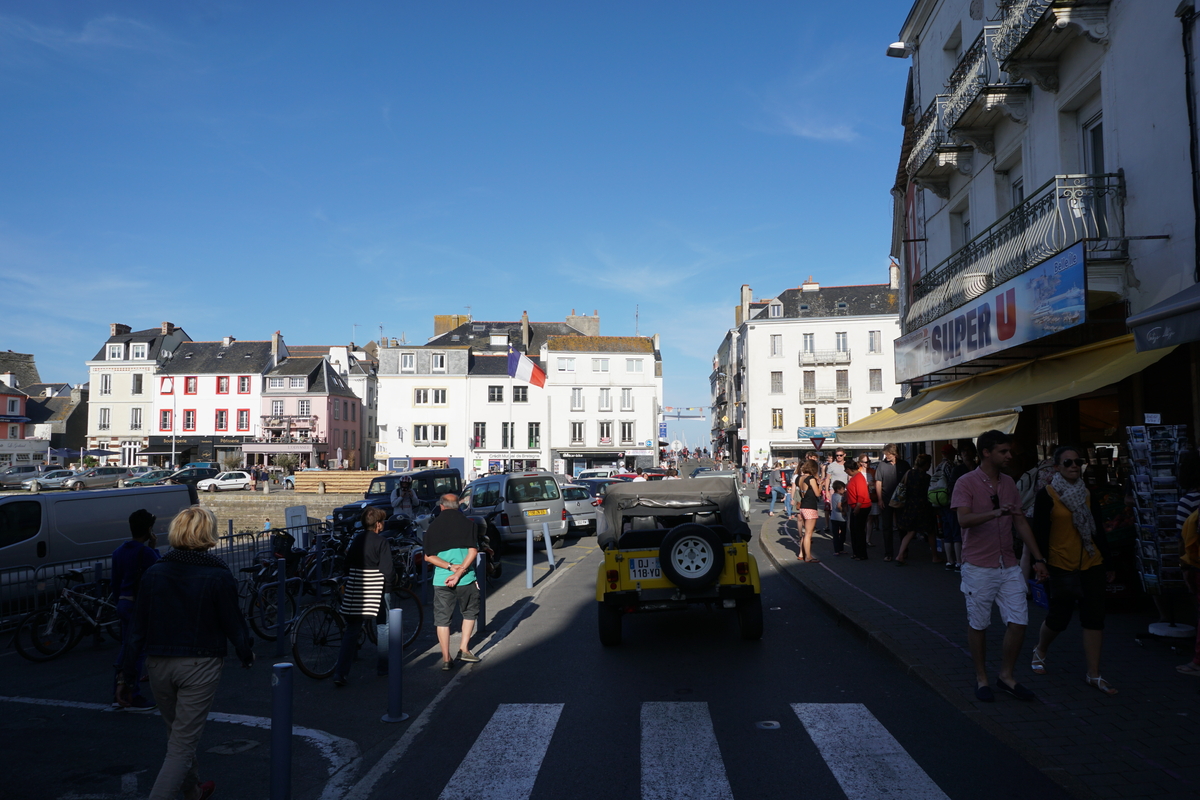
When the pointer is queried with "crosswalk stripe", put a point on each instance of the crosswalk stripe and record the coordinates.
(504, 761)
(680, 755)
(866, 760)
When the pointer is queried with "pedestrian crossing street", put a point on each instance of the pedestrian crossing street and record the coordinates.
(681, 758)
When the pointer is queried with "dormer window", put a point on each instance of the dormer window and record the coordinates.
(116, 352)
(804, 308)
(498, 340)
(138, 352)
(843, 308)
(775, 310)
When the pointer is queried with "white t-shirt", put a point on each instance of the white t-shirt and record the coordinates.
(836, 502)
(638, 478)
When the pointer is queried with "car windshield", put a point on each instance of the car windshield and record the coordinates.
(575, 494)
(531, 490)
(379, 486)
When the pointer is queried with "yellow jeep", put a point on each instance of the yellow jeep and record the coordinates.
(669, 544)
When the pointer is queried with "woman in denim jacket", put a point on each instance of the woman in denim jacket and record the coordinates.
(187, 610)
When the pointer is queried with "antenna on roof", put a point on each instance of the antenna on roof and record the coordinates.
(354, 330)
(468, 308)
(637, 315)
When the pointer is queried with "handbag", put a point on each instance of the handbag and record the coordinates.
(900, 495)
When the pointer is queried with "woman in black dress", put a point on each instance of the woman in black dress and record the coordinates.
(917, 514)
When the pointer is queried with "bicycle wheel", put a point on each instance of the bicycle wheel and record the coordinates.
(413, 613)
(317, 640)
(264, 614)
(49, 633)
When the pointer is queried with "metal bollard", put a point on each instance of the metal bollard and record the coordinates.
(320, 568)
(99, 570)
(549, 547)
(280, 606)
(395, 712)
(529, 558)
(481, 577)
(281, 732)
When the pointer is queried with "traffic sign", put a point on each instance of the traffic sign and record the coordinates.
(745, 448)
(817, 441)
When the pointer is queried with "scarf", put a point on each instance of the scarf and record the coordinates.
(1075, 497)
(196, 558)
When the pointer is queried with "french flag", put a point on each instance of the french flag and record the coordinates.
(523, 369)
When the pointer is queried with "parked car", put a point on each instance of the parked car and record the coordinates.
(700, 471)
(19, 473)
(54, 479)
(141, 470)
(674, 544)
(428, 484)
(525, 500)
(190, 476)
(581, 506)
(225, 481)
(597, 487)
(149, 478)
(97, 478)
(203, 465)
(599, 472)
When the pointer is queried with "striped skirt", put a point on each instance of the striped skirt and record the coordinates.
(363, 595)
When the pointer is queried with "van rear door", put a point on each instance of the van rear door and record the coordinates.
(20, 523)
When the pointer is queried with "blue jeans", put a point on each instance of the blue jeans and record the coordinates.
(787, 500)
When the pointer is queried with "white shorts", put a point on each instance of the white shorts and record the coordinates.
(1005, 586)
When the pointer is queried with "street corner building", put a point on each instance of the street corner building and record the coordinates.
(1044, 223)
(795, 367)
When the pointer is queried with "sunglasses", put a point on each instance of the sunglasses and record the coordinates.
(839, 455)
(1072, 462)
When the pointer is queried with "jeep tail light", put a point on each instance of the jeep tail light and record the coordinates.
(743, 569)
(504, 518)
(612, 576)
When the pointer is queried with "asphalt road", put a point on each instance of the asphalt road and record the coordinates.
(682, 709)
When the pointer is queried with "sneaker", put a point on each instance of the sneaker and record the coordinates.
(140, 704)
(338, 680)
(467, 657)
(447, 666)
(958, 567)
(949, 566)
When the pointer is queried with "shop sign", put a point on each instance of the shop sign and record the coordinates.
(824, 434)
(24, 445)
(1047, 299)
(636, 451)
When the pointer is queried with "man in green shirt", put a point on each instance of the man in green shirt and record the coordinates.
(451, 545)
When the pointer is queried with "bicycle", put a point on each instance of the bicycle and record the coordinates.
(316, 635)
(49, 632)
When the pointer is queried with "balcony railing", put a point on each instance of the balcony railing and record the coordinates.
(1065, 210)
(930, 133)
(810, 357)
(1027, 47)
(1019, 18)
(825, 396)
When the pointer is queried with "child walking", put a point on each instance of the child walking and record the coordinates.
(837, 516)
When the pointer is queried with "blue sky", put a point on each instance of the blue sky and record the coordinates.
(238, 168)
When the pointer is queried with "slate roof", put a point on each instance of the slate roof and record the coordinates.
(601, 344)
(150, 336)
(39, 389)
(873, 299)
(477, 335)
(22, 365)
(322, 377)
(12, 390)
(482, 364)
(304, 365)
(48, 409)
(214, 358)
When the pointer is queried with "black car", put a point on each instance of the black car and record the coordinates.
(428, 484)
(597, 487)
(190, 476)
(764, 489)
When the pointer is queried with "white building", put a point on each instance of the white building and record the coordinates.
(1045, 192)
(208, 398)
(450, 401)
(122, 388)
(801, 364)
(605, 400)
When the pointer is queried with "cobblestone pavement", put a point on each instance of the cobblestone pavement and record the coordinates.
(1142, 742)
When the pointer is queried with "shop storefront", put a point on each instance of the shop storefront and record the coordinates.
(188, 449)
(484, 462)
(576, 461)
(23, 451)
(310, 454)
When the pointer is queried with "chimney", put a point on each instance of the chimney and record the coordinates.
(893, 275)
(275, 349)
(810, 285)
(525, 331)
(743, 311)
(656, 347)
(168, 328)
(228, 340)
(116, 329)
(10, 378)
(588, 326)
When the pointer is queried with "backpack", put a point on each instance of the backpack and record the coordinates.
(939, 486)
(1190, 542)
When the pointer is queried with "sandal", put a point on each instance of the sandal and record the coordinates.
(1100, 684)
(1039, 663)
(813, 560)
(887, 558)
(1190, 668)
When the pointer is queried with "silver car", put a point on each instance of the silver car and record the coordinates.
(97, 478)
(19, 473)
(581, 507)
(523, 501)
(54, 479)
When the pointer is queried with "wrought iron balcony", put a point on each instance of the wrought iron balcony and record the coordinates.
(1063, 211)
(979, 92)
(810, 357)
(839, 395)
(1033, 33)
(934, 155)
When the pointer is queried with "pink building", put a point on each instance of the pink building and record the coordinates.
(309, 411)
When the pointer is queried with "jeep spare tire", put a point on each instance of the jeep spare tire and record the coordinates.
(692, 556)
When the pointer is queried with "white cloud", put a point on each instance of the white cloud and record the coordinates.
(109, 32)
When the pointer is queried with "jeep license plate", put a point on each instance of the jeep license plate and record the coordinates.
(537, 512)
(643, 569)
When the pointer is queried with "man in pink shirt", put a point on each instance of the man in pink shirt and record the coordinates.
(988, 506)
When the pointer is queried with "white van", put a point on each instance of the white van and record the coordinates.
(51, 528)
(599, 472)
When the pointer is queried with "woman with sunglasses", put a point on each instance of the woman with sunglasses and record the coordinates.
(1065, 526)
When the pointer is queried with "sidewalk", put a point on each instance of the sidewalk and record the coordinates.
(1142, 742)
